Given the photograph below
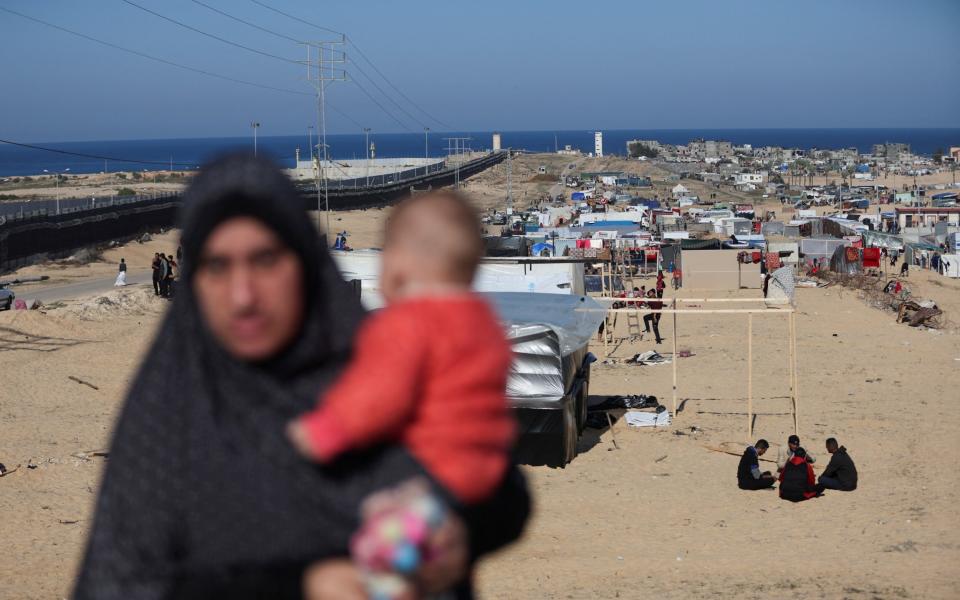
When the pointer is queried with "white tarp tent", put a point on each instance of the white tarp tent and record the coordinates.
(495, 274)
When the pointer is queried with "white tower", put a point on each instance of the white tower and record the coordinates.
(598, 144)
(496, 142)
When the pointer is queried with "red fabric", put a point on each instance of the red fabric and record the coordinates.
(811, 478)
(773, 261)
(755, 256)
(871, 257)
(430, 373)
(583, 243)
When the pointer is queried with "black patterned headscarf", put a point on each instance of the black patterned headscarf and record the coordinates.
(203, 496)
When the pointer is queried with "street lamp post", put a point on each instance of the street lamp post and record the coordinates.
(59, 174)
(255, 126)
(310, 141)
(366, 143)
(426, 142)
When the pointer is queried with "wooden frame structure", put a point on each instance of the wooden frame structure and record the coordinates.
(787, 311)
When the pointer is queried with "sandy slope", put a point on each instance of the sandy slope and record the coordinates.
(660, 517)
(615, 523)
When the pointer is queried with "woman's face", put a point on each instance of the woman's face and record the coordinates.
(249, 285)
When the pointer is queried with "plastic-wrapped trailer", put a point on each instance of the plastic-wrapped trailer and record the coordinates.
(549, 380)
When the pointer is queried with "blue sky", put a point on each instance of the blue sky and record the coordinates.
(484, 65)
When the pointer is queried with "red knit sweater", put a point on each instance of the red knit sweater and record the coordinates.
(428, 372)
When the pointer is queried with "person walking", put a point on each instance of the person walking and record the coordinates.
(652, 319)
(121, 275)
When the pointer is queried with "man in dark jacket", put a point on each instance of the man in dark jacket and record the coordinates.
(749, 476)
(840, 474)
(156, 273)
(797, 482)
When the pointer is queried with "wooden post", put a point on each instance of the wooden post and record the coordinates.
(749, 377)
(674, 361)
(796, 378)
(790, 357)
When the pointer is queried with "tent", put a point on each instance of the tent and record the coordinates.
(846, 260)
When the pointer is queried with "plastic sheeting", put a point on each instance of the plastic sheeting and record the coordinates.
(575, 319)
(876, 239)
(782, 285)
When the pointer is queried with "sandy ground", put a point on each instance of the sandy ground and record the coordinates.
(659, 517)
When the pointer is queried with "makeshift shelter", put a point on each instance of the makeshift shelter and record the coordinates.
(548, 384)
(876, 239)
(821, 248)
(846, 260)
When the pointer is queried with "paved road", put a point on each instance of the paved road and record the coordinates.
(68, 291)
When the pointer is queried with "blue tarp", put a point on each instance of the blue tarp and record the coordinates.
(600, 224)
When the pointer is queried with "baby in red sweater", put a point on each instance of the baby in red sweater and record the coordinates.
(429, 370)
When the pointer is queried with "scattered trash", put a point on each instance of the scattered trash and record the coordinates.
(646, 419)
(82, 382)
(88, 454)
(633, 401)
(661, 458)
(69, 521)
(598, 420)
(651, 357)
(685, 354)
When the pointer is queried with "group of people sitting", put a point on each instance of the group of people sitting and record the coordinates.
(795, 470)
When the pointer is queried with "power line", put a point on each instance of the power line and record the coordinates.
(175, 64)
(289, 16)
(114, 159)
(387, 112)
(254, 25)
(385, 95)
(210, 35)
(395, 88)
(362, 55)
(153, 58)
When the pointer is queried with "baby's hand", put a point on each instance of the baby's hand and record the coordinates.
(297, 434)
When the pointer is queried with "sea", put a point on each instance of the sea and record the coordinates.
(183, 154)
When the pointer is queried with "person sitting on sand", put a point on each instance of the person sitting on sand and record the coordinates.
(749, 476)
(841, 473)
(785, 454)
(797, 481)
(905, 269)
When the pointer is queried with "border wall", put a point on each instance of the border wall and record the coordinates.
(44, 235)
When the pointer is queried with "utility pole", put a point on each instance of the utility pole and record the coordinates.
(426, 143)
(310, 141)
(366, 144)
(255, 126)
(321, 71)
(509, 182)
(455, 147)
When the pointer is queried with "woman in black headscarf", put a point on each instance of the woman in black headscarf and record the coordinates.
(203, 496)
